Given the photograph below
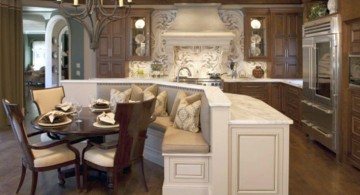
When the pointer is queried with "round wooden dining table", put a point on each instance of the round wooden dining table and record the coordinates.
(85, 128)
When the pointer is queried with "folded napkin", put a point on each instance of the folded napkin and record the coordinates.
(64, 106)
(133, 101)
(52, 116)
(107, 118)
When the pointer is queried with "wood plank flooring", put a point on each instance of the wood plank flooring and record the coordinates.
(313, 171)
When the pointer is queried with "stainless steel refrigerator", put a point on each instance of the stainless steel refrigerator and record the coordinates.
(321, 81)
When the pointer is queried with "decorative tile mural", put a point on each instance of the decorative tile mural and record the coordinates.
(200, 60)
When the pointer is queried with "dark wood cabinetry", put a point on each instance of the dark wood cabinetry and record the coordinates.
(257, 90)
(286, 43)
(111, 52)
(291, 103)
(275, 96)
(355, 37)
(123, 40)
(354, 133)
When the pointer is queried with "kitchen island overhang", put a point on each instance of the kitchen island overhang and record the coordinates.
(242, 144)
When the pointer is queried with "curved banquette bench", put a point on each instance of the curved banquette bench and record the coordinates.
(194, 163)
(162, 136)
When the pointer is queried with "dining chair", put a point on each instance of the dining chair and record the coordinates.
(43, 156)
(45, 101)
(133, 119)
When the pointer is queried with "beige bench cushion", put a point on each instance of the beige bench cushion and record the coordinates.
(180, 141)
(161, 123)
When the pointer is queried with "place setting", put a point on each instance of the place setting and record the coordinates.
(54, 118)
(99, 105)
(106, 120)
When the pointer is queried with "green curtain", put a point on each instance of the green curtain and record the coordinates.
(11, 55)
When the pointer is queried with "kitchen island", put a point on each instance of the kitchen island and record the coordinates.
(248, 139)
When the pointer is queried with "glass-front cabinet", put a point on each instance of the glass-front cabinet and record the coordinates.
(138, 35)
(256, 34)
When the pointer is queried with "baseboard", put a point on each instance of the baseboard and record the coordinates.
(181, 190)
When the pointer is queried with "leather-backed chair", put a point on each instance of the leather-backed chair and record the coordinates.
(133, 119)
(40, 157)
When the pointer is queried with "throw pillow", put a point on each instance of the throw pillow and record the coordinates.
(136, 93)
(188, 116)
(180, 94)
(161, 102)
(117, 96)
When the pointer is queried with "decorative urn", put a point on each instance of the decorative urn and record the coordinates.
(258, 72)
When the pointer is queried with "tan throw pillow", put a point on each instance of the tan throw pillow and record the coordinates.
(136, 93)
(188, 116)
(117, 96)
(161, 102)
(180, 94)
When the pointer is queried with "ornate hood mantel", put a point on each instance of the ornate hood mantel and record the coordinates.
(197, 25)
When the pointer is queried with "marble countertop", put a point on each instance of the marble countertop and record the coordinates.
(247, 110)
(294, 82)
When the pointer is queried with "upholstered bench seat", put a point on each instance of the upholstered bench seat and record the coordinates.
(161, 123)
(180, 141)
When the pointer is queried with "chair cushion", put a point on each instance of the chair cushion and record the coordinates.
(180, 141)
(179, 95)
(104, 158)
(52, 156)
(188, 113)
(161, 123)
(161, 102)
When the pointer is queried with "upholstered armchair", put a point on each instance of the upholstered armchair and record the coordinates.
(43, 156)
(133, 119)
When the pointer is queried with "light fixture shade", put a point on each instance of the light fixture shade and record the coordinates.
(140, 23)
(255, 24)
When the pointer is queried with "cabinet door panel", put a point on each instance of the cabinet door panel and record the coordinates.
(103, 69)
(118, 47)
(117, 69)
(292, 45)
(292, 69)
(103, 50)
(279, 47)
(293, 25)
(278, 69)
(278, 25)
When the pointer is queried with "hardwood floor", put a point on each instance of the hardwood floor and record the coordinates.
(313, 170)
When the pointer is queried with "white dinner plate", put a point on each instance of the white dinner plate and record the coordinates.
(96, 124)
(139, 38)
(255, 39)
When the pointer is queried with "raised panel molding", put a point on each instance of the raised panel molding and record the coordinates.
(259, 159)
(194, 169)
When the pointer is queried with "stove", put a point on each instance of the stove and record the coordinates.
(215, 82)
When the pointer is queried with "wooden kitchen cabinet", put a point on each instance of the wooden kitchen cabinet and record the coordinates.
(291, 103)
(254, 89)
(286, 27)
(355, 37)
(275, 96)
(354, 133)
(257, 34)
(138, 32)
(110, 56)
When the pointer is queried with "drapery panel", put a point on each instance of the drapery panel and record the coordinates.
(11, 55)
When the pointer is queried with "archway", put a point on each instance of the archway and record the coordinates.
(56, 26)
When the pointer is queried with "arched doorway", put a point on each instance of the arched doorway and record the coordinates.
(56, 34)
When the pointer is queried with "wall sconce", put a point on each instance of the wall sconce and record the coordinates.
(255, 24)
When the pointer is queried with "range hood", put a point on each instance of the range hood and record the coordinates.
(198, 23)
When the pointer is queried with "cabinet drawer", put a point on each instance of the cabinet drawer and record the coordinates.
(355, 149)
(355, 125)
(355, 101)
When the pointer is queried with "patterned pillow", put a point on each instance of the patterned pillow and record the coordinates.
(179, 95)
(117, 96)
(188, 116)
(161, 102)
